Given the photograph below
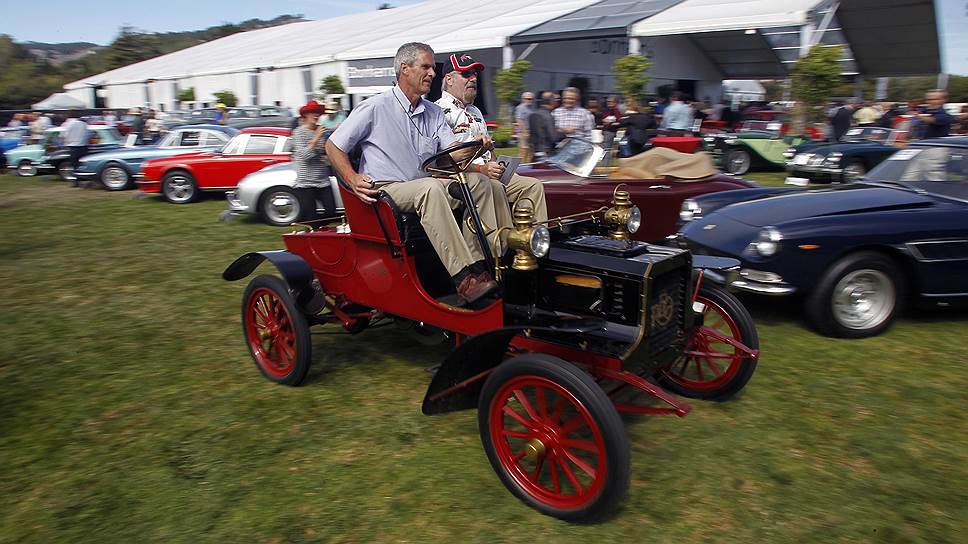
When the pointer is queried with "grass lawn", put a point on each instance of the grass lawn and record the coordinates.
(131, 412)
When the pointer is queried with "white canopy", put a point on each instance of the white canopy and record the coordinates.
(59, 101)
(692, 16)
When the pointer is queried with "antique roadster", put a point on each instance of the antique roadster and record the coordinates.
(585, 325)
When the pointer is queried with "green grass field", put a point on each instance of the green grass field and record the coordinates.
(131, 412)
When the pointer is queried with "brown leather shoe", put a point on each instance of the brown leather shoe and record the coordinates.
(474, 287)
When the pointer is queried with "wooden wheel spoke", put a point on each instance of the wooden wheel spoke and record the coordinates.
(526, 404)
(586, 445)
(699, 368)
(572, 425)
(519, 456)
(717, 371)
(580, 463)
(570, 475)
(555, 484)
(537, 470)
(557, 410)
(518, 417)
(515, 434)
(539, 395)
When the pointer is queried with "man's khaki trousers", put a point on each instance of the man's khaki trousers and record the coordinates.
(505, 198)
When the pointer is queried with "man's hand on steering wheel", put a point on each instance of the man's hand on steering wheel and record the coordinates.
(363, 187)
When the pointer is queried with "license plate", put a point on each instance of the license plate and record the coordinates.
(801, 182)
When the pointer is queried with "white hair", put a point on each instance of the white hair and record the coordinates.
(407, 54)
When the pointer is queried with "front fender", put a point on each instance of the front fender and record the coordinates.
(296, 271)
(721, 270)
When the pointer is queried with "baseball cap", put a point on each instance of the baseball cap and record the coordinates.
(462, 62)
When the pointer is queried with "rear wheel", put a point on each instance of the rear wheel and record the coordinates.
(712, 368)
(115, 178)
(280, 206)
(554, 438)
(179, 187)
(275, 331)
(26, 168)
(738, 162)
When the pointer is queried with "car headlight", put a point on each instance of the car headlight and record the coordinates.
(540, 241)
(709, 139)
(690, 210)
(833, 160)
(635, 219)
(730, 141)
(767, 243)
(816, 160)
(789, 153)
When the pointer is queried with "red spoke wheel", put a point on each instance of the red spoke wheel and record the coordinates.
(554, 438)
(275, 331)
(712, 368)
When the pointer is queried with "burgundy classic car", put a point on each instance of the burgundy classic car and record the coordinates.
(582, 175)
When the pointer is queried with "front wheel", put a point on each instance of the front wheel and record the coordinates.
(26, 168)
(275, 331)
(738, 162)
(554, 438)
(280, 206)
(179, 187)
(857, 297)
(712, 368)
(115, 178)
(854, 170)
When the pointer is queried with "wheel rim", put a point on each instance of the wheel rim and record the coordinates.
(114, 177)
(26, 168)
(709, 362)
(66, 171)
(179, 189)
(739, 162)
(270, 333)
(853, 171)
(548, 442)
(863, 299)
(282, 207)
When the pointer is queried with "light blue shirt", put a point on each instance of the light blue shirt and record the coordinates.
(677, 116)
(75, 133)
(394, 140)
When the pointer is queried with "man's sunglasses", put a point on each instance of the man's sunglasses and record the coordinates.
(468, 73)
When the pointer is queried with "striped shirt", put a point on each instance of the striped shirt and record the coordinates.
(577, 118)
(312, 166)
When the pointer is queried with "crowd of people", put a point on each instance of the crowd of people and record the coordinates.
(918, 120)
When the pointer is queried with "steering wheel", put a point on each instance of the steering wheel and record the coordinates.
(442, 164)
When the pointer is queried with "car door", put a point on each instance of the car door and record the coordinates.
(258, 151)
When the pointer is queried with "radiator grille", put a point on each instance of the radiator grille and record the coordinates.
(667, 311)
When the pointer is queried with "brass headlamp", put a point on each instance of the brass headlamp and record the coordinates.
(526, 239)
(623, 217)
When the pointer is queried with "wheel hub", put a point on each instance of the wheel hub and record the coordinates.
(535, 450)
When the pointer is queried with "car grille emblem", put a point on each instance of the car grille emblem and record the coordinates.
(710, 226)
(663, 311)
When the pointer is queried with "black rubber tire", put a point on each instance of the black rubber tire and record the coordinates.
(101, 177)
(170, 178)
(264, 200)
(735, 154)
(22, 169)
(820, 302)
(581, 385)
(303, 345)
(718, 298)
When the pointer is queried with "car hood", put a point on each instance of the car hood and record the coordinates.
(846, 200)
(845, 147)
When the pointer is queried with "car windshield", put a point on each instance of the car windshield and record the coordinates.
(577, 156)
(867, 134)
(761, 126)
(936, 169)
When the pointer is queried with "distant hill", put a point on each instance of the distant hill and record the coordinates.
(58, 53)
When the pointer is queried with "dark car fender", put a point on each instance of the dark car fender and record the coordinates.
(294, 269)
(721, 270)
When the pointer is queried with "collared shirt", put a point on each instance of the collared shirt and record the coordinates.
(394, 138)
(677, 116)
(466, 121)
(577, 118)
(522, 111)
(75, 133)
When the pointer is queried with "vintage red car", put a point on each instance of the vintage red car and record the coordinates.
(582, 175)
(182, 178)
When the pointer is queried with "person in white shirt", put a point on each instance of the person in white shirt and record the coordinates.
(571, 119)
(75, 139)
(457, 100)
(110, 119)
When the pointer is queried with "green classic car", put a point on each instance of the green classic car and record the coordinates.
(757, 144)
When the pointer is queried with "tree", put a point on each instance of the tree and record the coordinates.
(813, 78)
(186, 95)
(130, 47)
(630, 76)
(332, 85)
(509, 84)
(226, 97)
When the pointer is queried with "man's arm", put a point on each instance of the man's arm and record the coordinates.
(361, 184)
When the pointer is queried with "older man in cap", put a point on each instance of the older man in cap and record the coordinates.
(396, 131)
(457, 100)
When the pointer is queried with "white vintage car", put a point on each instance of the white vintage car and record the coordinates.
(269, 192)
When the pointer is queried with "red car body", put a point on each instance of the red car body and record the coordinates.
(249, 151)
(572, 190)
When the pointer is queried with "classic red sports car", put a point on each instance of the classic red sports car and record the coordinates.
(182, 178)
(582, 175)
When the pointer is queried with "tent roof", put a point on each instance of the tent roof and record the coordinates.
(59, 101)
(446, 25)
(693, 16)
(605, 18)
(892, 37)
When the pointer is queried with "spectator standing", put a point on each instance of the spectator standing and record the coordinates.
(637, 124)
(660, 105)
(521, 114)
(572, 119)
(75, 140)
(334, 116)
(677, 117)
(866, 116)
(312, 164)
(541, 127)
(596, 111)
(16, 121)
(110, 119)
(37, 128)
(612, 112)
(891, 112)
(937, 122)
(153, 127)
(960, 126)
(840, 121)
(137, 125)
(221, 114)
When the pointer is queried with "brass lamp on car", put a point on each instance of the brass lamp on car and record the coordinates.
(527, 240)
(623, 217)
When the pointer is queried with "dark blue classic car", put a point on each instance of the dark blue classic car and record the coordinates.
(117, 169)
(855, 252)
(840, 162)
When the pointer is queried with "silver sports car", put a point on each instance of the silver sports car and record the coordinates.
(269, 192)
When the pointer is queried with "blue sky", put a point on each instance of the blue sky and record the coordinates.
(99, 21)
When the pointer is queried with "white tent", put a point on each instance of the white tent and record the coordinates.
(693, 16)
(59, 101)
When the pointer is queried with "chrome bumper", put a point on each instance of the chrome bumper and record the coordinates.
(236, 205)
(772, 289)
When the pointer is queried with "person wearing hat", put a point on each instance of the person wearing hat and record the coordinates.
(395, 132)
(457, 100)
(137, 125)
(222, 115)
(312, 165)
(335, 116)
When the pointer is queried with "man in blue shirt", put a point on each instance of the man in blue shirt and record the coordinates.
(677, 117)
(396, 131)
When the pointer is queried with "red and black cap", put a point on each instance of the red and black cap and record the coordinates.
(462, 62)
